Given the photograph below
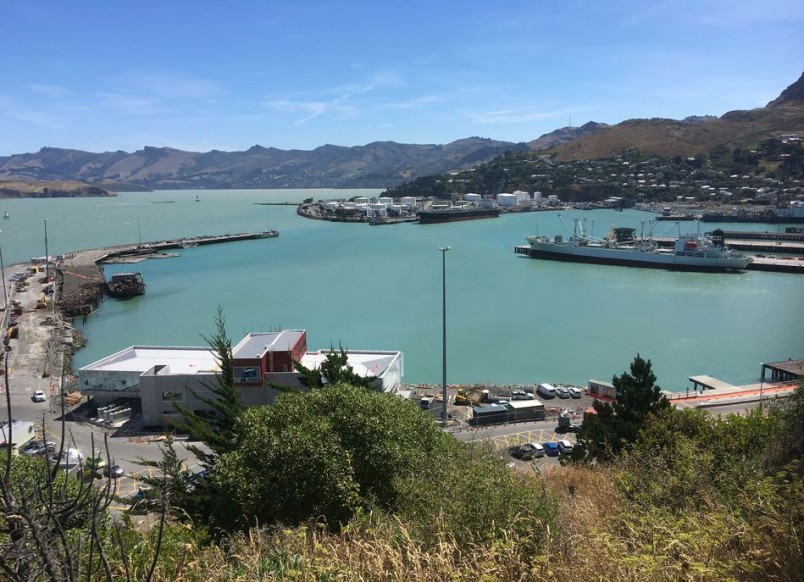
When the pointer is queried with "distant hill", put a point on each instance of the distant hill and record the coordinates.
(388, 164)
(565, 135)
(694, 135)
(375, 165)
(67, 189)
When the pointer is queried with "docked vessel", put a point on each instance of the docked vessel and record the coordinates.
(456, 214)
(126, 285)
(793, 213)
(692, 252)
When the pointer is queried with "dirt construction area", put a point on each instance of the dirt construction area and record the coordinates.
(35, 334)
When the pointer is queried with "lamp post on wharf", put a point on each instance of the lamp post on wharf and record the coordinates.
(444, 399)
(5, 289)
(47, 256)
(761, 384)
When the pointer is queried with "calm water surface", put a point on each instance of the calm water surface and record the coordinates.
(510, 319)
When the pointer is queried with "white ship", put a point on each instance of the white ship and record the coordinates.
(692, 252)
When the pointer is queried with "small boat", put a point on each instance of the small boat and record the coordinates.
(126, 285)
(197, 199)
(692, 252)
(6, 216)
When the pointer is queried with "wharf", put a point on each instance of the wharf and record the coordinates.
(716, 392)
(82, 284)
(774, 236)
(777, 265)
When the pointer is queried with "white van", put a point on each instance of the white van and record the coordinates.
(546, 391)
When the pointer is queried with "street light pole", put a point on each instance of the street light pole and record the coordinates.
(444, 333)
(47, 256)
(5, 289)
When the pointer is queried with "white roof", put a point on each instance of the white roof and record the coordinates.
(254, 345)
(524, 404)
(364, 363)
(142, 358)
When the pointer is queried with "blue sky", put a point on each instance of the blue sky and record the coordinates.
(202, 75)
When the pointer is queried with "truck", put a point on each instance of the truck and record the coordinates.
(565, 423)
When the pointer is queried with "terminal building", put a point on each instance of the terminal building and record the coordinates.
(158, 377)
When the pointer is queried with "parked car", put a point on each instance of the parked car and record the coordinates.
(527, 451)
(564, 447)
(114, 471)
(562, 392)
(32, 448)
(521, 395)
(550, 449)
(574, 392)
(38, 396)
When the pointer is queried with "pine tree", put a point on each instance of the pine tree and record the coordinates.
(215, 431)
(335, 369)
(616, 426)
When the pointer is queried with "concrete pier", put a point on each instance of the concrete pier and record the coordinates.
(82, 285)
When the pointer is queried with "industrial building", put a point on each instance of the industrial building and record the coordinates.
(160, 376)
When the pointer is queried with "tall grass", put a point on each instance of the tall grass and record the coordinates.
(597, 534)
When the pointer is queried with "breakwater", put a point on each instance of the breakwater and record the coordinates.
(82, 284)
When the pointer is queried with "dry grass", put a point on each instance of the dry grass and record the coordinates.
(669, 137)
(598, 535)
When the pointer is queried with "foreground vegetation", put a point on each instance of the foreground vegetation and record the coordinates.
(342, 483)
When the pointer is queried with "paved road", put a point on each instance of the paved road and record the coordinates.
(35, 363)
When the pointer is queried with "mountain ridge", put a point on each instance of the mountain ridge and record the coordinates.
(385, 164)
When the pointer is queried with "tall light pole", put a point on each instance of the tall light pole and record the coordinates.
(47, 256)
(5, 289)
(761, 384)
(444, 333)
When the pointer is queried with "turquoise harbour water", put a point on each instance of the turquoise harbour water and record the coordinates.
(510, 319)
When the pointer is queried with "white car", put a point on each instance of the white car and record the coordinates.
(574, 392)
(38, 396)
(564, 447)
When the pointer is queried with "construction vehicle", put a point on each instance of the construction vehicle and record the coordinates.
(565, 423)
(471, 397)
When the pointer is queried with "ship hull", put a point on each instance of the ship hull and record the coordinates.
(760, 219)
(633, 258)
(441, 216)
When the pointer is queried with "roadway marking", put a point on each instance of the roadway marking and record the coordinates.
(529, 436)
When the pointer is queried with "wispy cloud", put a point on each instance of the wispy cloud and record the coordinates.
(344, 103)
(414, 103)
(130, 104)
(512, 116)
(51, 91)
(311, 109)
(171, 86)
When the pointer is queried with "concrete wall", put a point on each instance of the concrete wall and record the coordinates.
(158, 393)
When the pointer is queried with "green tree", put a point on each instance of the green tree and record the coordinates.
(323, 454)
(616, 426)
(335, 369)
(216, 431)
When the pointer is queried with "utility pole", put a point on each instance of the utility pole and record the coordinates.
(444, 398)
(47, 256)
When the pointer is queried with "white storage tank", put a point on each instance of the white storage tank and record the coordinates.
(506, 199)
(408, 201)
(331, 205)
(377, 211)
(385, 200)
(361, 200)
(472, 197)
